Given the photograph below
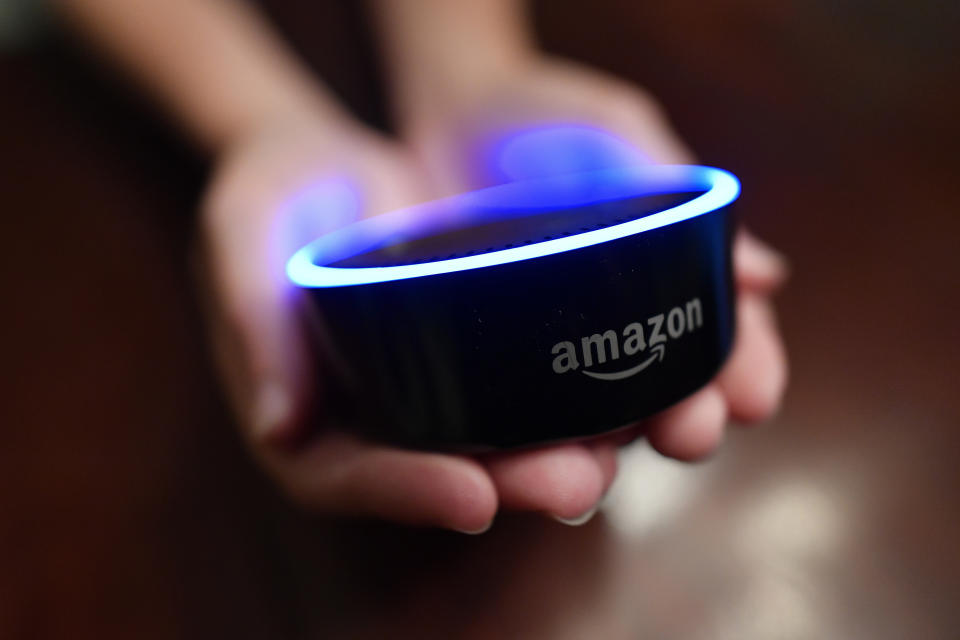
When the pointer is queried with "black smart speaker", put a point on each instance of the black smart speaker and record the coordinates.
(534, 311)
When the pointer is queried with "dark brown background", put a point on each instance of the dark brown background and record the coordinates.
(129, 509)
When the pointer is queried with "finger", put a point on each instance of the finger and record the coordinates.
(757, 266)
(337, 473)
(605, 454)
(691, 429)
(606, 449)
(643, 123)
(260, 343)
(565, 481)
(656, 140)
(755, 376)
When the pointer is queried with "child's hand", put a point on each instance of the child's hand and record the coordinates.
(541, 113)
(274, 191)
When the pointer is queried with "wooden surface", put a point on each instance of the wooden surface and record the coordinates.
(128, 507)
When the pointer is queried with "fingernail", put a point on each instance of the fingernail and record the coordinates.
(272, 409)
(582, 519)
(476, 532)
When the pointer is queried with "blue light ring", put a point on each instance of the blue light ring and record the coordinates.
(723, 188)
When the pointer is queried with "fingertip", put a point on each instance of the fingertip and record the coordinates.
(606, 457)
(761, 403)
(449, 492)
(758, 266)
(580, 520)
(755, 378)
(471, 503)
(272, 413)
(565, 481)
(692, 429)
(340, 474)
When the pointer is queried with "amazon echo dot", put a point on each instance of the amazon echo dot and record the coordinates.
(535, 311)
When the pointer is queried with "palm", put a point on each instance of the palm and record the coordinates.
(519, 128)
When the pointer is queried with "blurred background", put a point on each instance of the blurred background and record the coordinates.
(129, 508)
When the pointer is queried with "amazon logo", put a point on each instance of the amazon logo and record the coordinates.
(643, 343)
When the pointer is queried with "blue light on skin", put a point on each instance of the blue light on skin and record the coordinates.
(556, 149)
(310, 210)
(720, 188)
(336, 198)
(315, 209)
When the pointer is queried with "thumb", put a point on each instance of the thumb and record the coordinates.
(259, 344)
(259, 337)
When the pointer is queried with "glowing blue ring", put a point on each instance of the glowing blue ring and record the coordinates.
(721, 187)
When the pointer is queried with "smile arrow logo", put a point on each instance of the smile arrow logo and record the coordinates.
(658, 352)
